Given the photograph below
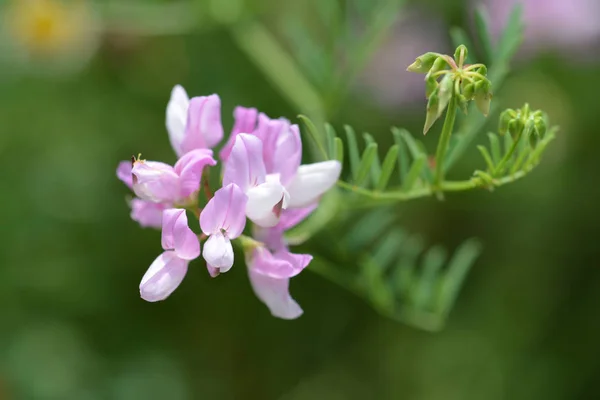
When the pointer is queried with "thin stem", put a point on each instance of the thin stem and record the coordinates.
(472, 66)
(446, 186)
(500, 167)
(444, 142)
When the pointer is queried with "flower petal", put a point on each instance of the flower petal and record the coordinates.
(268, 131)
(245, 122)
(212, 271)
(163, 277)
(146, 213)
(203, 128)
(287, 155)
(218, 252)
(265, 203)
(155, 181)
(190, 167)
(177, 111)
(312, 181)
(292, 217)
(245, 166)
(225, 211)
(177, 236)
(124, 173)
(281, 264)
(275, 294)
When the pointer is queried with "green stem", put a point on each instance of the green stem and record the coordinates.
(444, 142)
(500, 167)
(446, 186)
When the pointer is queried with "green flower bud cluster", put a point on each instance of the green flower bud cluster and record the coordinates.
(447, 78)
(516, 122)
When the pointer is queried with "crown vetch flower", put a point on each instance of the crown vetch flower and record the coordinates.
(146, 213)
(271, 267)
(245, 122)
(263, 180)
(193, 124)
(246, 169)
(181, 246)
(222, 220)
(161, 183)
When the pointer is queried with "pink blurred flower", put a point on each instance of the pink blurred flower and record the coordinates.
(550, 24)
(385, 78)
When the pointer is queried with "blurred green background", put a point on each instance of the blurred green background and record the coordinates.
(73, 326)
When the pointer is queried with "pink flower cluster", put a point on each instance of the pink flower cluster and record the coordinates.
(263, 181)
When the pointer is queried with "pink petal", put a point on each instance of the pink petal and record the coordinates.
(288, 154)
(245, 122)
(275, 294)
(212, 271)
(292, 217)
(218, 252)
(146, 213)
(190, 167)
(124, 173)
(203, 128)
(273, 237)
(282, 147)
(164, 276)
(245, 165)
(268, 131)
(155, 181)
(177, 111)
(312, 181)
(225, 211)
(281, 264)
(265, 203)
(177, 236)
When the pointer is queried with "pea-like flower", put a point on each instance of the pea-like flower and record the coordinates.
(193, 124)
(181, 245)
(222, 220)
(161, 183)
(263, 180)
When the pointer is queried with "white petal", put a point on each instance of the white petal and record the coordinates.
(275, 294)
(265, 202)
(218, 252)
(177, 111)
(312, 181)
(163, 277)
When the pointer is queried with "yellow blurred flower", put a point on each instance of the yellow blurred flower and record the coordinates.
(55, 33)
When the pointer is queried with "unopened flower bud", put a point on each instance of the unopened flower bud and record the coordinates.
(431, 85)
(460, 55)
(445, 93)
(463, 103)
(515, 127)
(505, 118)
(439, 64)
(423, 63)
(432, 111)
(482, 70)
(483, 96)
(540, 126)
(468, 91)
